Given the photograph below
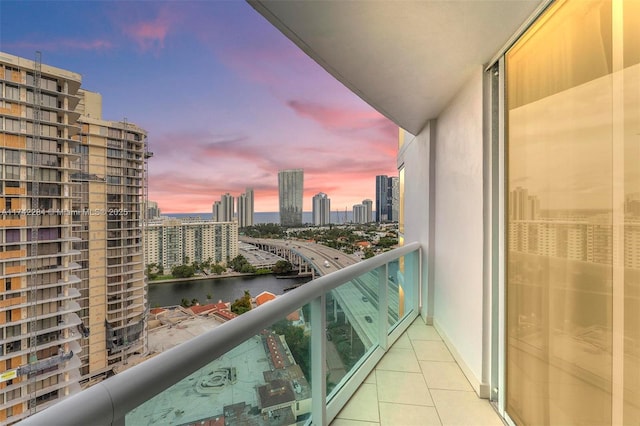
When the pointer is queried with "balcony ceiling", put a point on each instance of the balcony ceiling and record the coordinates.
(407, 59)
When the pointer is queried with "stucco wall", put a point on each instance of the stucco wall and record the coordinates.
(458, 244)
(416, 156)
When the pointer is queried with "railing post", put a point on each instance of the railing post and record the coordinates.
(419, 280)
(318, 361)
(383, 305)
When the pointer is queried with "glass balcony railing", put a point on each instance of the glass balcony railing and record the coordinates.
(295, 360)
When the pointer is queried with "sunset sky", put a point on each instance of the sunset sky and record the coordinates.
(226, 98)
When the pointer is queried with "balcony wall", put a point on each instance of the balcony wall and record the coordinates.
(458, 260)
(445, 212)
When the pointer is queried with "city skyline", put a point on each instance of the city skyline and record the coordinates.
(225, 133)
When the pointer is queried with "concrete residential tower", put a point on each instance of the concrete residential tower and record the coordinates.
(39, 311)
(73, 299)
(368, 205)
(111, 180)
(245, 208)
(224, 210)
(321, 209)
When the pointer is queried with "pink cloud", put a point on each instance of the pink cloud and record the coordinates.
(149, 33)
(334, 118)
(237, 148)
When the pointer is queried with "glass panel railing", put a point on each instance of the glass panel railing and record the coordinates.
(275, 365)
(396, 302)
(402, 284)
(264, 380)
(352, 325)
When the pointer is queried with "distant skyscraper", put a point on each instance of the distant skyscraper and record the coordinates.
(321, 209)
(290, 188)
(228, 207)
(368, 205)
(153, 211)
(245, 208)
(382, 198)
(223, 210)
(387, 198)
(216, 211)
(359, 213)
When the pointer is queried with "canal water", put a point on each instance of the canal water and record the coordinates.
(226, 289)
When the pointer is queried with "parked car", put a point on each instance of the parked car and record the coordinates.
(367, 318)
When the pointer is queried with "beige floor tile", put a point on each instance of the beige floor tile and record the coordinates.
(402, 342)
(444, 375)
(408, 415)
(371, 378)
(402, 388)
(363, 405)
(420, 331)
(428, 350)
(399, 359)
(464, 408)
(346, 422)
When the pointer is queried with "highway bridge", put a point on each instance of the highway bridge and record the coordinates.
(358, 299)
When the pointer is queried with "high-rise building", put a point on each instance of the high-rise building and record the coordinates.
(387, 198)
(77, 277)
(171, 242)
(227, 205)
(321, 209)
(368, 205)
(245, 208)
(359, 213)
(216, 211)
(40, 325)
(224, 210)
(110, 186)
(153, 212)
(290, 188)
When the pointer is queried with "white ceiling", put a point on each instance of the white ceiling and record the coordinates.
(407, 59)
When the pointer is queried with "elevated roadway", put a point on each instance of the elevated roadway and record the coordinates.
(357, 298)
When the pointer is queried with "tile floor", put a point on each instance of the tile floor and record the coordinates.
(417, 382)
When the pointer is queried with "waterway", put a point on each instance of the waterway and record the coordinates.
(225, 289)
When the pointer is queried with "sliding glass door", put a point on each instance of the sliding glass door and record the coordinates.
(573, 216)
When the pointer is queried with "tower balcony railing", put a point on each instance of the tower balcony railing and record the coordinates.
(297, 359)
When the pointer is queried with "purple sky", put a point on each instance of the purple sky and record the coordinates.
(227, 100)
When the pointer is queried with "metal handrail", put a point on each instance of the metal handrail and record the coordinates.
(108, 402)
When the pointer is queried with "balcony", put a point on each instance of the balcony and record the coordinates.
(417, 382)
(351, 339)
